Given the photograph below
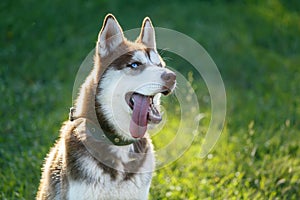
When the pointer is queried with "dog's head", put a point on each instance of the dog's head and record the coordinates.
(132, 76)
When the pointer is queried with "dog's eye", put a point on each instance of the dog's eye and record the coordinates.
(134, 65)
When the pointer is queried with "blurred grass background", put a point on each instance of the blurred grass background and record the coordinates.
(255, 44)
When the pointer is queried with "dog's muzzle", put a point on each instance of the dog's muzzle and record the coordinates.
(142, 105)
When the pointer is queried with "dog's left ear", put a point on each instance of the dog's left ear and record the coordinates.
(147, 35)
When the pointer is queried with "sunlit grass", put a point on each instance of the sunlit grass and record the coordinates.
(255, 45)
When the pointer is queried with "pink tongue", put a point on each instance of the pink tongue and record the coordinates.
(138, 123)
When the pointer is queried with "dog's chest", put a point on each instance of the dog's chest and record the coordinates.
(95, 182)
(130, 189)
(102, 186)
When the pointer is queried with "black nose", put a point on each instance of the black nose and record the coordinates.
(169, 78)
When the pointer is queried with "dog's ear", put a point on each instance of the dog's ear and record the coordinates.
(110, 36)
(147, 35)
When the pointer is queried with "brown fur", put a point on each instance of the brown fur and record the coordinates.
(64, 162)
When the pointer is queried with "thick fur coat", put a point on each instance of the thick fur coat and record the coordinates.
(104, 151)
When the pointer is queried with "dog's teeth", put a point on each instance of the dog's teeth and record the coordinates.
(151, 99)
(132, 100)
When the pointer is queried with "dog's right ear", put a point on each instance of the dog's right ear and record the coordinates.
(110, 36)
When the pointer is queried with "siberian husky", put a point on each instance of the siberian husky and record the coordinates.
(104, 150)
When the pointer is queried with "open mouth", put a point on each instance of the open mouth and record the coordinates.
(143, 112)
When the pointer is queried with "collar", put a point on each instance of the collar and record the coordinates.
(118, 140)
(98, 133)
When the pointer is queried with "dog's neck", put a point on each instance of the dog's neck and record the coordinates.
(86, 107)
(122, 158)
(107, 134)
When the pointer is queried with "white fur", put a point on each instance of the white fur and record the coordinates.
(154, 58)
(102, 184)
(122, 152)
(112, 190)
(141, 57)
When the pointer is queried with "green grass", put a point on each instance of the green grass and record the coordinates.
(255, 44)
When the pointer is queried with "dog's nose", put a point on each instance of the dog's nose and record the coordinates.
(169, 78)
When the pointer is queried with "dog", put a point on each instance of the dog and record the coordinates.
(104, 150)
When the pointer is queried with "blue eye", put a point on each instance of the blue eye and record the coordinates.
(134, 65)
